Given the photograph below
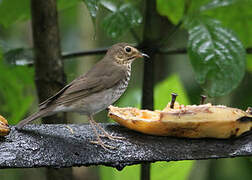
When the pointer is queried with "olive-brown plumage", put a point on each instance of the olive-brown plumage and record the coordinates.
(97, 89)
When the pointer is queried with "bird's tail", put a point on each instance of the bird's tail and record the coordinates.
(32, 117)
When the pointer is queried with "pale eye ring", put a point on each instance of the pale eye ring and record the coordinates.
(128, 49)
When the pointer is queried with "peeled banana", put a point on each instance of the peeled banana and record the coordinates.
(4, 127)
(191, 121)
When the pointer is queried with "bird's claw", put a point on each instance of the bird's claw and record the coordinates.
(111, 137)
(95, 125)
(105, 146)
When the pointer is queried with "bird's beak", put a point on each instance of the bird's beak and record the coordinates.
(143, 55)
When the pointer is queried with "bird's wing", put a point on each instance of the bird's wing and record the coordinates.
(94, 81)
(52, 98)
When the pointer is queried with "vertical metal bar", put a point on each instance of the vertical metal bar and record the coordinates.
(148, 76)
(153, 29)
(145, 171)
(147, 103)
(148, 84)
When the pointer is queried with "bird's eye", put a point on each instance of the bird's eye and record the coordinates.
(128, 49)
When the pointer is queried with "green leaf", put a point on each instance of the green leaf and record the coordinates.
(216, 54)
(122, 20)
(217, 3)
(111, 5)
(237, 17)
(163, 90)
(172, 9)
(179, 170)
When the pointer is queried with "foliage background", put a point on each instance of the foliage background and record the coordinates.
(92, 24)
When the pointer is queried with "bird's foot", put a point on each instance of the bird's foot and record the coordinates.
(105, 134)
(102, 144)
(110, 136)
(95, 125)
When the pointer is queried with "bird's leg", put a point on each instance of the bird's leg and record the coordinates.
(105, 134)
(99, 141)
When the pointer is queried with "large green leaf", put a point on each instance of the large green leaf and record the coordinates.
(238, 11)
(216, 54)
(122, 20)
(234, 14)
(172, 9)
(236, 17)
(227, 11)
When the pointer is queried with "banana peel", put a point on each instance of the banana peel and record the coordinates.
(191, 121)
(4, 127)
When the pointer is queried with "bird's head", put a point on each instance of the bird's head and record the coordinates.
(125, 54)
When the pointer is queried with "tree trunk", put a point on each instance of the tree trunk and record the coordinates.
(49, 71)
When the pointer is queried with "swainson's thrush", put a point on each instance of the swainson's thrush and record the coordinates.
(94, 91)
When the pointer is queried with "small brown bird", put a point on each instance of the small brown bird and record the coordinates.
(94, 91)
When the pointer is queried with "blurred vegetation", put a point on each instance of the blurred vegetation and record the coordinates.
(215, 34)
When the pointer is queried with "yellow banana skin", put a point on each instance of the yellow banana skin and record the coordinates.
(191, 121)
(4, 127)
